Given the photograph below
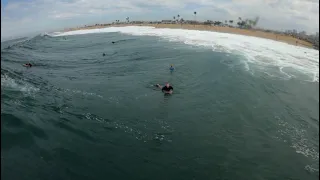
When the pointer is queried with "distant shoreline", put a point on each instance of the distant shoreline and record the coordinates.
(231, 30)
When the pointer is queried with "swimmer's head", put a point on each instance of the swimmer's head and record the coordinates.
(167, 84)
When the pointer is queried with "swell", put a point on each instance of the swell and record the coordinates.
(24, 42)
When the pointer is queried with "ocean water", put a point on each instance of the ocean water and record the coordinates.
(242, 107)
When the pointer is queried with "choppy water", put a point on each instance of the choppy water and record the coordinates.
(242, 108)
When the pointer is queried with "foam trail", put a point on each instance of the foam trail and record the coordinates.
(258, 51)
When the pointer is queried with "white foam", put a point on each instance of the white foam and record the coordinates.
(258, 51)
(8, 82)
(299, 140)
(139, 133)
(84, 93)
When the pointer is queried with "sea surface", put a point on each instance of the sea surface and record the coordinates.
(243, 108)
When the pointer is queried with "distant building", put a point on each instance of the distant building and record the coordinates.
(167, 22)
(137, 22)
(191, 22)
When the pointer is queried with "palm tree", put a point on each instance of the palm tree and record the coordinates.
(181, 21)
(255, 21)
(195, 17)
(127, 18)
(231, 23)
(178, 17)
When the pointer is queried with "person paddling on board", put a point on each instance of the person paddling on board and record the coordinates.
(167, 89)
(28, 65)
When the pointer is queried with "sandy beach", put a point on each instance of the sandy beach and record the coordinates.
(256, 33)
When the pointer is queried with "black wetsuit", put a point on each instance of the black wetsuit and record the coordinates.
(167, 89)
(28, 64)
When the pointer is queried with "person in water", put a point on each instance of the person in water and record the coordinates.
(103, 54)
(28, 65)
(167, 89)
(171, 68)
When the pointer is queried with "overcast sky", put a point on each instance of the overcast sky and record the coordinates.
(22, 17)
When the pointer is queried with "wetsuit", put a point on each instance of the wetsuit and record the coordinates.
(167, 89)
(28, 65)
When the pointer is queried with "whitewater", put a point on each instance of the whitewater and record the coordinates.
(258, 51)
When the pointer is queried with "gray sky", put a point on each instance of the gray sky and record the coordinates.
(22, 17)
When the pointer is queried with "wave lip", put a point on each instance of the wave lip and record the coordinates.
(257, 51)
